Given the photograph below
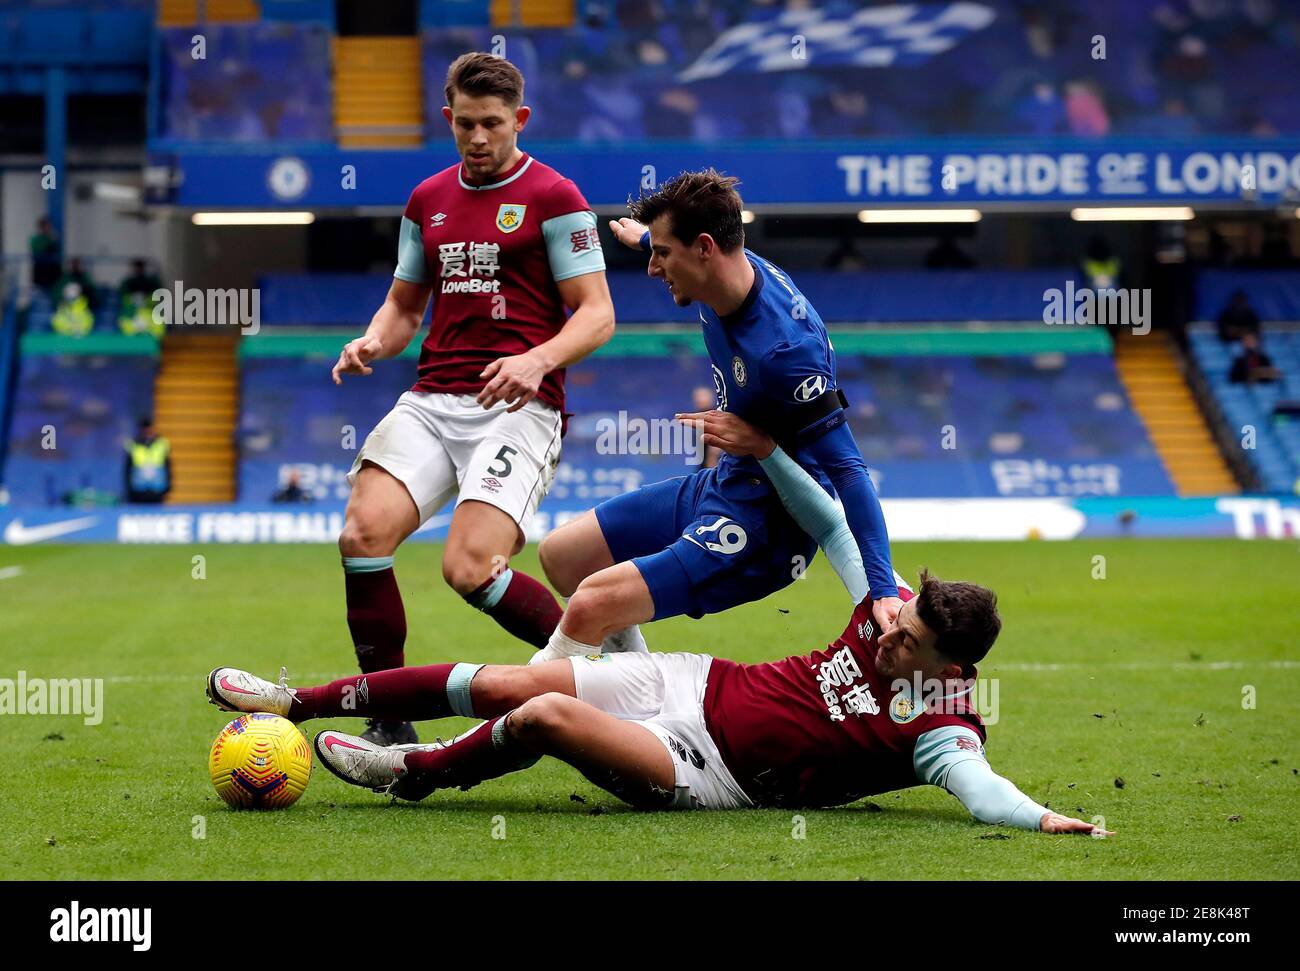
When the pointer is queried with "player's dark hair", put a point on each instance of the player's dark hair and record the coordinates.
(481, 75)
(964, 617)
(696, 202)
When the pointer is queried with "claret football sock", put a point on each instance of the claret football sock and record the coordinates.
(485, 752)
(376, 616)
(626, 641)
(400, 694)
(520, 604)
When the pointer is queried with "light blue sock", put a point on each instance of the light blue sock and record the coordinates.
(366, 564)
(458, 682)
(490, 596)
(501, 740)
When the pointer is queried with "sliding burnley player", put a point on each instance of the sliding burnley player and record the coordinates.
(688, 731)
(703, 543)
(503, 244)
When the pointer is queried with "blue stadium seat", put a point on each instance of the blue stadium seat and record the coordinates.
(92, 403)
(886, 296)
(241, 96)
(1276, 456)
(623, 72)
(1025, 428)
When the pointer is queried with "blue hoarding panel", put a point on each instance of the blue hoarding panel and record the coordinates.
(1240, 517)
(971, 172)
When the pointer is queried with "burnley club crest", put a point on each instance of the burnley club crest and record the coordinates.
(510, 217)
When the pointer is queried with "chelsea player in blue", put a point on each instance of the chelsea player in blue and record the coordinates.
(703, 543)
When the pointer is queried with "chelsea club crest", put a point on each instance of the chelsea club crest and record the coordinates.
(738, 371)
(510, 217)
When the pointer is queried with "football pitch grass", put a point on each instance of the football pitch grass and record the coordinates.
(1161, 698)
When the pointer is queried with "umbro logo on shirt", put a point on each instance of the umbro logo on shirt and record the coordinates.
(437, 219)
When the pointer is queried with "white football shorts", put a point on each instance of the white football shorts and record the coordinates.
(665, 693)
(442, 446)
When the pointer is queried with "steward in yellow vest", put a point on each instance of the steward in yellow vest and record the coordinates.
(148, 465)
(74, 315)
(135, 316)
(1101, 267)
(135, 302)
(72, 318)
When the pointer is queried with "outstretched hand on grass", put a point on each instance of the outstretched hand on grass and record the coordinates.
(1056, 823)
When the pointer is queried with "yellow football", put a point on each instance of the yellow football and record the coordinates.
(260, 761)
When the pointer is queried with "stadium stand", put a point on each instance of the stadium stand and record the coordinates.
(1274, 294)
(703, 70)
(678, 70)
(39, 313)
(1027, 424)
(8, 380)
(376, 105)
(901, 296)
(238, 92)
(1018, 411)
(1259, 423)
(1151, 371)
(1263, 420)
(75, 407)
(196, 406)
(174, 12)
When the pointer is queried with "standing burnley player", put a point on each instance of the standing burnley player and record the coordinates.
(503, 244)
(703, 543)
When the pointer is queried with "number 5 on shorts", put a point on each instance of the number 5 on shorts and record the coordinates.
(504, 459)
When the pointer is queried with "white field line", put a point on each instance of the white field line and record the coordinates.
(9, 572)
(295, 680)
(318, 677)
(1147, 666)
